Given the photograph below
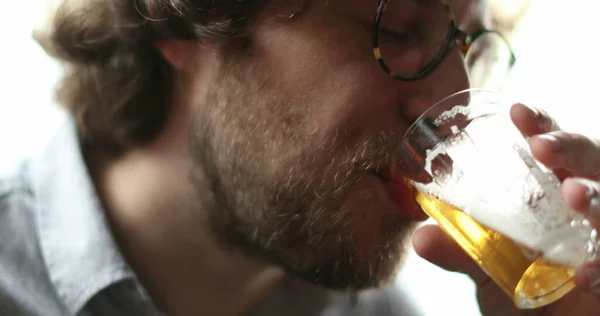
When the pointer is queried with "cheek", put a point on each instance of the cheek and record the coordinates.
(333, 89)
(353, 104)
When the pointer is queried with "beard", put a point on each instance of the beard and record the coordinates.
(292, 197)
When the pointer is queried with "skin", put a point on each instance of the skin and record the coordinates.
(267, 166)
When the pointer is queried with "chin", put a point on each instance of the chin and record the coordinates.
(347, 238)
(363, 246)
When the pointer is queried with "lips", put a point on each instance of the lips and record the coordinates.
(400, 193)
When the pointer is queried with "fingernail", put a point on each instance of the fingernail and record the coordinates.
(593, 196)
(551, 141)
(535, 113)
(593, 274)
(544, 122)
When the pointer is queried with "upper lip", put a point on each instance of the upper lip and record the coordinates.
(400, 193)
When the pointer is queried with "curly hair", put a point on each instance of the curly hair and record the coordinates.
(116, 83)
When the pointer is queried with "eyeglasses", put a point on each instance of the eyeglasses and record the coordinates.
(412, 37)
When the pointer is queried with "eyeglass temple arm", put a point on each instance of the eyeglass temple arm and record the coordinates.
(467, 39)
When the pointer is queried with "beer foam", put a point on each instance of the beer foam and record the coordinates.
(493, 178)
(451, 114)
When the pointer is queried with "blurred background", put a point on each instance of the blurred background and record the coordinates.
(557, 69)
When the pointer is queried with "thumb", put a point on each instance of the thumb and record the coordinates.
(435, 246)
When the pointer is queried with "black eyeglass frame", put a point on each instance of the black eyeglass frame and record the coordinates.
(454, 36)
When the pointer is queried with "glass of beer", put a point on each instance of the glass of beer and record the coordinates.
(473, 173)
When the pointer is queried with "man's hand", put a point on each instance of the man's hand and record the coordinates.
(576, 160)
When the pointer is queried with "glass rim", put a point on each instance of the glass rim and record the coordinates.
(414, 125)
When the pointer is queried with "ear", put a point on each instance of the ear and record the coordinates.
(178, 53)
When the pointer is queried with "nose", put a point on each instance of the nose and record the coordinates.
(449, 77)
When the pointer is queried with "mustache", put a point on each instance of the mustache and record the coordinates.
(376, 152)
(348, 160)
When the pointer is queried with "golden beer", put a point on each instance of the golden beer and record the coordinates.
(521, 273)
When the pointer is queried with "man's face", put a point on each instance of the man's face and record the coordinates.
(298, 140)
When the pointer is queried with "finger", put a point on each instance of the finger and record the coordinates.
(574, 152)
(435, 246)
(532, 121)
(562, 174)
(583, 195)
(587, 277)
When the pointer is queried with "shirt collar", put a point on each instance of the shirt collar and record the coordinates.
(81, 255)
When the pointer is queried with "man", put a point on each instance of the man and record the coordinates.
(239, 157)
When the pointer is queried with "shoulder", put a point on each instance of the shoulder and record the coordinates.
(16, 202)
(25, 287)
(18, 241)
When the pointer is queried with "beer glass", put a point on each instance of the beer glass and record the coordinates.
(474, 174)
